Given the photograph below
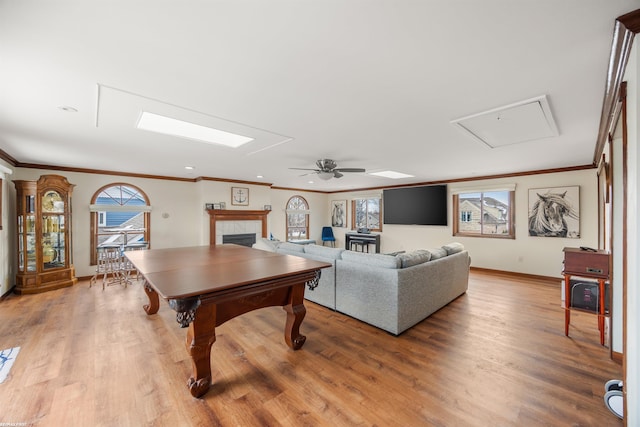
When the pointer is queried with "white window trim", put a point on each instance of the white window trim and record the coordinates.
(482, 188)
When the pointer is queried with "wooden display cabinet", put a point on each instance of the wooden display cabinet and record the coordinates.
(43, 212)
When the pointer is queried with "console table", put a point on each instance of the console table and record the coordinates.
(365, 239)
(589, 264)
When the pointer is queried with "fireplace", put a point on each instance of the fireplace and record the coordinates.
(236, 222)
(246, 239)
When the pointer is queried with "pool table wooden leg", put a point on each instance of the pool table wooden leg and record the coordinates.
(154, 301)
(295, 314)
(200, 338)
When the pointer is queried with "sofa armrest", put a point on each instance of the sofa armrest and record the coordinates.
(425, 288)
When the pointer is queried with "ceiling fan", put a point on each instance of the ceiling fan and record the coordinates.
(328, 169)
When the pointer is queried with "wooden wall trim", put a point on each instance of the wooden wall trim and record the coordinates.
(235, 181)
(551, 280)
(6, 157)
(626, 27)
(617, 357)
(631, 21)
(15, 163)
(475, 178)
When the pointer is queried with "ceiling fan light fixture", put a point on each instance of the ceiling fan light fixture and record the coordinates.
(325, 176)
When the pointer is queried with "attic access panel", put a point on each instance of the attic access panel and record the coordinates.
(524, 121)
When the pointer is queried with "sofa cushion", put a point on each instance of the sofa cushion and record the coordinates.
(437, 253)
(323, 251)
(291, 247)
(414, 258)
(374, 260)
(453, 248)
(266, 244)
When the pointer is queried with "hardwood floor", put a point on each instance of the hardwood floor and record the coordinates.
(497, 356)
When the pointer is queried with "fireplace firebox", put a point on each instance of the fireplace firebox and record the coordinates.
(247, 239)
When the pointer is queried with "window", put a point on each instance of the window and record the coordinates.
(297, 218)
(116, 208)
(484, 214)
(366, 213)
(102, 219)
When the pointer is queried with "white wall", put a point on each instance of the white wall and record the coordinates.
(7, 233)
(178, 216)
(632, 350)
(526, 254)
(318, 216)
(176, 199)
(218, 191)
(616, 247)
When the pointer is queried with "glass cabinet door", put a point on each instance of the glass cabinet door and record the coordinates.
(30, 242)
(53, 242)
(26, 237)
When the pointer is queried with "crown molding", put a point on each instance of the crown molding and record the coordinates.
(626, 27)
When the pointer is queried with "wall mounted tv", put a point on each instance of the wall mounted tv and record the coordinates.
(425, 205)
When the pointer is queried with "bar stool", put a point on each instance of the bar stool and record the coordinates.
(109, 263)
(134, 246)
(101, 267)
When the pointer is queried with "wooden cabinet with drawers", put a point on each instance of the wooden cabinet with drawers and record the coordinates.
(593, 264)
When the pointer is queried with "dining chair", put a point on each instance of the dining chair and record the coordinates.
(327, 236)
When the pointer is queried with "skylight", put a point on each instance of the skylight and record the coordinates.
(391, 174)
(169, 126)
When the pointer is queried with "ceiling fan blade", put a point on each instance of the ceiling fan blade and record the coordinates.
(350, 170)
(337, 174)
(305, 169)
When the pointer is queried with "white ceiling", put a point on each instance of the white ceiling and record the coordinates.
(369, 83)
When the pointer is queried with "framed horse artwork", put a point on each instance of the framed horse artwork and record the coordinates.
(338, 213)
(554, 212)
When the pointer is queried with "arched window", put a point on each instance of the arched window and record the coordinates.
(120, 214)
(297, 218)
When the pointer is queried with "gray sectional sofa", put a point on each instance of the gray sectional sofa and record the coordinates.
(391, 292)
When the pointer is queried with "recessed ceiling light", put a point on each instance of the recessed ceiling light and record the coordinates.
(309, 182)
(391, 174)
(259, 176)
(189, 168)
(68, 109)
(169, 126)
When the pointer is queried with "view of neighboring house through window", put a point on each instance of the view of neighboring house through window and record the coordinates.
(487, 214)
(119, 215)
(366, 213)
(297, 218)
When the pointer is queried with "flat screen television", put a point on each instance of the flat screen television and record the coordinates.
(425, 205)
